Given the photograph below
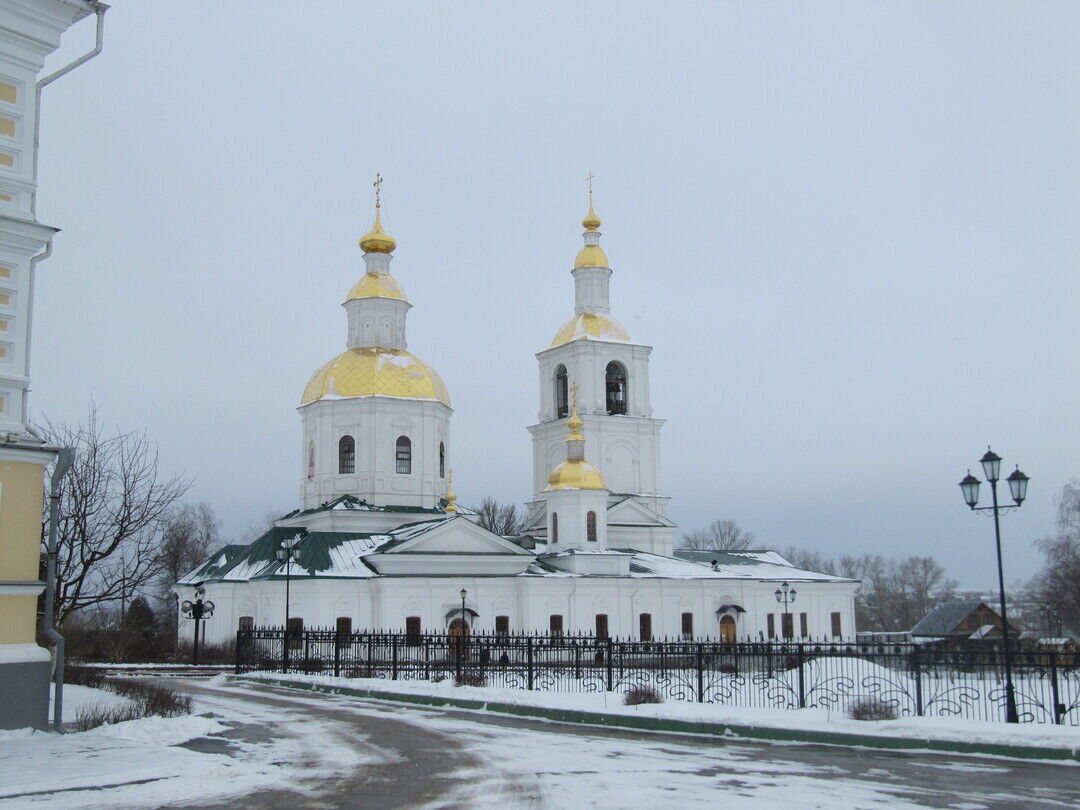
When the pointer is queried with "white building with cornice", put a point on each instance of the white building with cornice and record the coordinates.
(383, 543)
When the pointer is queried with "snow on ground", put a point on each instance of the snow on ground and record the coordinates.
(139, 764)
(926, 728)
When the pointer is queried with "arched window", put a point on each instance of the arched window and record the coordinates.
(617, 394)
(554, 527)
(404, 456)
(562, 407)
(346, 455)
(590, 527)
(442, 460)
(311, 461)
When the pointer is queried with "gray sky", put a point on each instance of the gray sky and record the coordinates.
(849, 231)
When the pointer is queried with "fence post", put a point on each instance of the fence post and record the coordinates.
(285, 650)
(802, 682)
(338, 643)
(529, 660)
(916, 673)
(236, 656)
(700, 672)
(610, 666)
(370, 656)
(393, 656)
(1059, 707)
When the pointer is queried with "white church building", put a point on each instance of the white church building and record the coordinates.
(383, 544)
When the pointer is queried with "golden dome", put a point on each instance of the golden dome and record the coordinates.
(590, 326)
(375, 372)
(591, 256)
(575, 475)
(377, 285)
(591, 221)
(377, 240)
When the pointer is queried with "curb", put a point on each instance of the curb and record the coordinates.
(725, 730)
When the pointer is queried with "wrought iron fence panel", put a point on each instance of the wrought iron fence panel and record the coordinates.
(912, 679)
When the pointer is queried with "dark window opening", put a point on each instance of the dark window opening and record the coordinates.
(601, 625)
(246, 623)
(502, 625)
(555, 624)
(404, 456)
(787, 625)
(412, 630)
(554, 527)
(590, 527)
(645, 626)
(442, 460)
(616, 388)
(346, 455)
(562, 408)
(687, 626)
(772, 625)
(311, 460)
(295, 632)
(836, 625)
(344, 630)
(802, 625)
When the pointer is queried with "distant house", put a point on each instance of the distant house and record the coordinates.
(968, 620)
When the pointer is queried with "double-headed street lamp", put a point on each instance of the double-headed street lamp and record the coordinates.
(288, 552)
(785, 595)
(1018, 483)
(199, 610)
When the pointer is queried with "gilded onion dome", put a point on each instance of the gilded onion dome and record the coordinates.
(377, 285)
(575, 472)
(371, 372)
(590, 326)
(377, 240)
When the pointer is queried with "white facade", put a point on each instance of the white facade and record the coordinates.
(383, 548)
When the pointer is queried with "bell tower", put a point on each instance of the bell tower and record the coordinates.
(595, 353)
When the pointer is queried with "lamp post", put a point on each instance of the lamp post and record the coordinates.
(461, 635)
(1018, 482)
(198, 610)
(785, 595)
(287, 552)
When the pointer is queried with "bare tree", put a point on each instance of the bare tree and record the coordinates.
(809, 560)
(258, 528)
(501, 518)
(113, 508)
(896, 594)
(720, 535)
(1056, 587)
(189, 534)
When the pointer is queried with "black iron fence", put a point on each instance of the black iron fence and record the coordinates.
(913, 679)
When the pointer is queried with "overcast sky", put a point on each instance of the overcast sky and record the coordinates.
(849, 231)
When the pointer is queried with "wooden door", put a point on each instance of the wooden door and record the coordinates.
(727, 629)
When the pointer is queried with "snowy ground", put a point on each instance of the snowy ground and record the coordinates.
(277, 748)
(926, 728)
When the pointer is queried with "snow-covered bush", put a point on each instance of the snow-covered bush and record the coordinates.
(871, 708)
(470, 678)
(641, 694)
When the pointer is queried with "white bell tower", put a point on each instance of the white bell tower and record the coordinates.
(595, 353)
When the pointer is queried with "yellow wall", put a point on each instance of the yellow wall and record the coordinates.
(18, 619)
(21, 498)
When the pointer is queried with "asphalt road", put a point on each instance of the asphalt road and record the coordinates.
(442, 758)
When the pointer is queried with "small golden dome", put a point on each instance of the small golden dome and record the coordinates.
(575, 475)
(377, 240)
(575, 424)
(591, 221)
(451, 496)
(590, 326)
(377, 285)
(591, 256)
(376, 372)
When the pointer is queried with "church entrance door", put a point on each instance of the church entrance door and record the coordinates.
(727, 629)
(458, 636)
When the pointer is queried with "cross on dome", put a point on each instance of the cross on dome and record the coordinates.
(377, 240)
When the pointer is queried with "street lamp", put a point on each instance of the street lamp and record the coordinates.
(785, 594)
(288, 552)
(991, 464)
(199, 610)
(461, 635)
